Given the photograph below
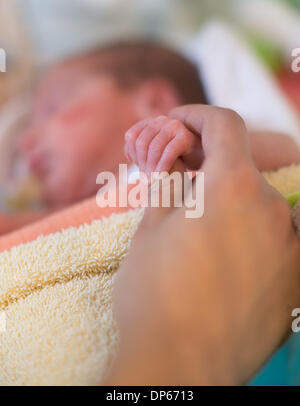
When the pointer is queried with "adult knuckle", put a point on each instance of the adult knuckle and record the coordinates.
(228, 117)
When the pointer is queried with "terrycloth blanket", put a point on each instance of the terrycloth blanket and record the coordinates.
(55, 299)
(55, 294)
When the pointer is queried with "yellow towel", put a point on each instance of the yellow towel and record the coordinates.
(55, 299)
(285, 180)
(55, 294)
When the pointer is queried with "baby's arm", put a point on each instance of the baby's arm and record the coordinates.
(271, 151)
(155, 144)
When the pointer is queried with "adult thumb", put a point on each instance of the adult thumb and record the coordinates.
(165, 195)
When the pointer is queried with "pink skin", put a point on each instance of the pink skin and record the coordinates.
(155, 144)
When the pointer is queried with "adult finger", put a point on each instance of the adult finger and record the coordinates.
(223, 133)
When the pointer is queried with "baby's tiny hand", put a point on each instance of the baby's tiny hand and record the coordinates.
(155, 144)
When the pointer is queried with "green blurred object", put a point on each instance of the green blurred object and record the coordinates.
(292, 199)
(294, 3)
(267, 52)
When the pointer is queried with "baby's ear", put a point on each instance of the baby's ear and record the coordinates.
(155, 97)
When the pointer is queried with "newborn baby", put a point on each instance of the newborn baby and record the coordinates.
(84, 106)
(155, 144)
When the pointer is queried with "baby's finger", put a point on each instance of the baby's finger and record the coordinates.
(131, 137)
(145, 138)
(171, 152)
(126, 153)
(159, 143)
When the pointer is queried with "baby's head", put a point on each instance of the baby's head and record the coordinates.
(85, 105)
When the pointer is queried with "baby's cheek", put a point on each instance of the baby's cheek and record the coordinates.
(68, 126)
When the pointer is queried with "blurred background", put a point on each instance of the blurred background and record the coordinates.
(38, 32)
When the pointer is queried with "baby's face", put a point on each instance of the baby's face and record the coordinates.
(77, 131)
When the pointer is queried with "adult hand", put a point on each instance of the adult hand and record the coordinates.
(207, 301)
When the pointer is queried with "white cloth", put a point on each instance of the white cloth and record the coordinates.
(235, 78)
